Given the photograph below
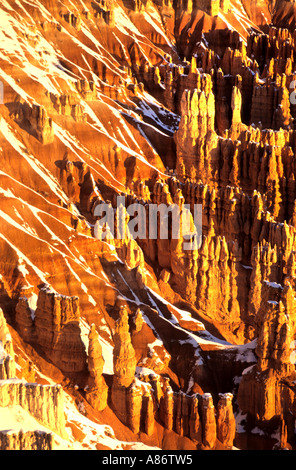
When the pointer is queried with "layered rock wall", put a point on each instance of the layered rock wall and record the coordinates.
(57, 330)
(265, 392)
(40, 124)
(44, 402)
(7, 359)
(28, 440)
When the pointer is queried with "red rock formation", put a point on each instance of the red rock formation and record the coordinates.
(262, 392)
(148, 411)
(134, 407)
(197, 143)
(124, 354)
(167, 406)
(24, 318)
(40, 124)
(97, 394)
(225, 421)
(7, 360)
(44, 402)
(29, 440)
(124, 368)
(209, 426)
(58, 332)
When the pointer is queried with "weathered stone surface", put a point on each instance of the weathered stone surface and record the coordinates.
(226, 425)
(24, 320)
(209, 426)
(167, 406)
(29, 440)
(123, 393)
(41, 124)
(97, 393)
(58, 331)
(124, 353)
(7, 359)
(261, 392)
(44, 402)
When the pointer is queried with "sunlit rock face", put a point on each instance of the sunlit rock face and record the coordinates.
(147, 235)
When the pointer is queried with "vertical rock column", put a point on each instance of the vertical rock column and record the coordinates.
(7, 362)
(195, 430)
(167, 406)
(124, 361)
(148, 413)
(42, 125)
(97, 395)
(225, 420)
(134, 407)
(58, 332)
(24, 320)
(236, 101)
(196, 139)
(209, 427)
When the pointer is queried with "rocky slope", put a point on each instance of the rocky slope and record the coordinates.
(111, 342)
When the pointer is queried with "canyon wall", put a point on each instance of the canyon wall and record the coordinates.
(43, 402)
